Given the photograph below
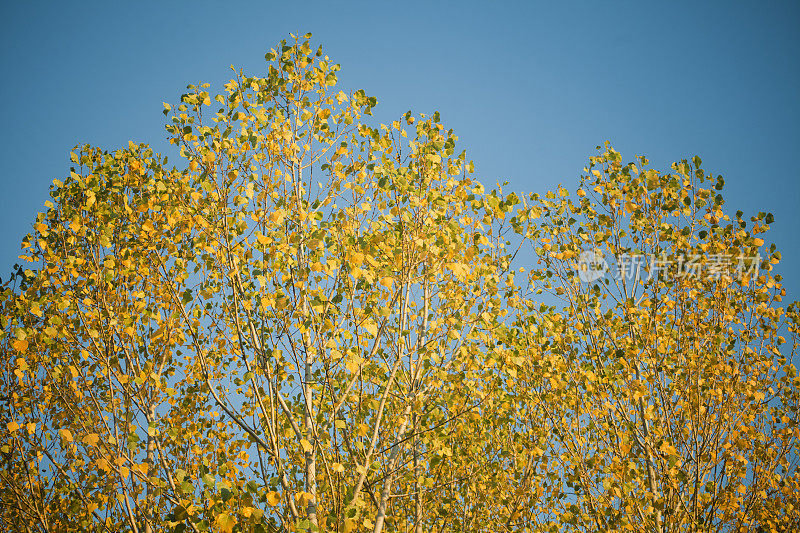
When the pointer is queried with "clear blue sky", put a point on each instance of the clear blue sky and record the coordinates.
(530, 88)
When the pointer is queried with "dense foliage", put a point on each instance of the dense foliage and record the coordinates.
(321, 325)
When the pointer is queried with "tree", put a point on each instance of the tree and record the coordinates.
(290, 331)
(320, 325)
(668, 388)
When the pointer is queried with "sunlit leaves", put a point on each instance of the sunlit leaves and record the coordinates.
(319, 323)
(658, 369)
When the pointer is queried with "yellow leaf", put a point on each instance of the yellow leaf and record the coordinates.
(337, 467)
(20, 345)
(460, 270)
(103, 464)
(371, 327)
(31, 427)
(225, 522)
(303, 498)
(91, 439)
(307, 446)
(12, 426)
(66, 434)
(387, 282)
(273, 498)
(277, 216)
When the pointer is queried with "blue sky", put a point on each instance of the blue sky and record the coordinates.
(530, 88)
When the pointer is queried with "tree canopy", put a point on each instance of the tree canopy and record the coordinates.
(318, 324)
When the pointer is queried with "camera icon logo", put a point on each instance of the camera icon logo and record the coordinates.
(592, 266)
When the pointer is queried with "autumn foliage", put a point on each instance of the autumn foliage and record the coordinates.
(315, 324)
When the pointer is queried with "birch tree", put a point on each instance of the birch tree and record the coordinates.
(319, 323)
(287, 334)
(665, 367)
